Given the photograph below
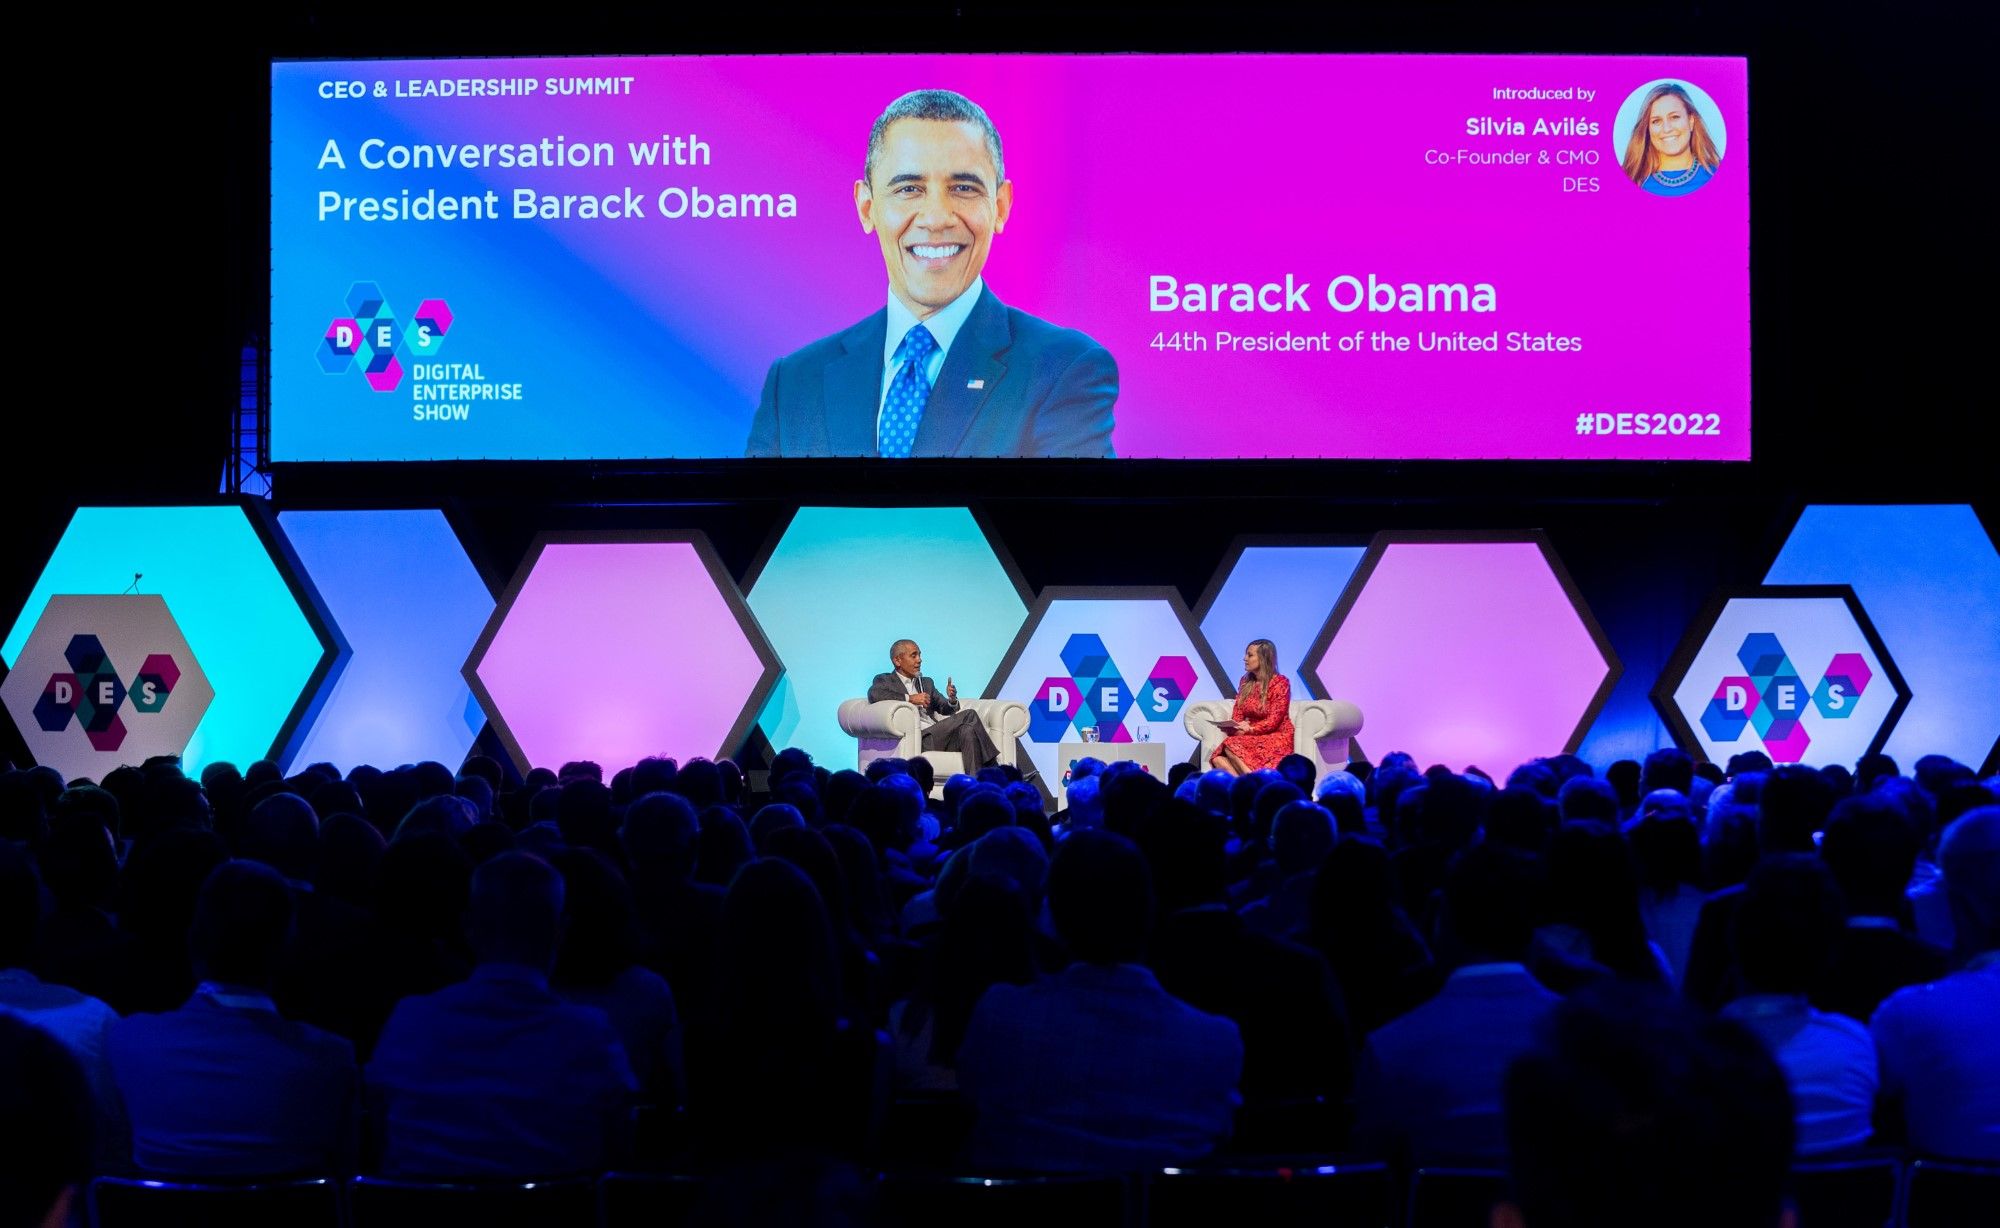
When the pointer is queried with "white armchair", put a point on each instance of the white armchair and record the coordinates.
(1321, 729)
(887, 729)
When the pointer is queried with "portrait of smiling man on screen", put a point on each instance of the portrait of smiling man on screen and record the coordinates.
(946, 368)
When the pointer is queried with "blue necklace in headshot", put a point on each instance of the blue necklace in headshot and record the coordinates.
(1677, 179)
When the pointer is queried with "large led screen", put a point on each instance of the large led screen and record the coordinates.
(1442, 257)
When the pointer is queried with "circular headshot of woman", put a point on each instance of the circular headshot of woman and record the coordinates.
(1669, 137)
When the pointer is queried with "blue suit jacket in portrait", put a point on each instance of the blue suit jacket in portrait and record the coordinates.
(1011, 385)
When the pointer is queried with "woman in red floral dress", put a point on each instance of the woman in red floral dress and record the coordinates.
(1260, 727)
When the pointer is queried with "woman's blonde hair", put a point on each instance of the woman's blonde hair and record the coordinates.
(1267, 666)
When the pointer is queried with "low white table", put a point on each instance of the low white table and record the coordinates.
(1149, 755)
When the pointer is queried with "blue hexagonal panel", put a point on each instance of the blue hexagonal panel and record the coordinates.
(1929, 576)
(820, 598)
(262, 651)
(1277, 589)
(401, 697)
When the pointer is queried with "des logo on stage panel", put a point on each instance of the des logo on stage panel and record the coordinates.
(1109, 658)
(1095, 693)
(1796, 672)
(105, 681)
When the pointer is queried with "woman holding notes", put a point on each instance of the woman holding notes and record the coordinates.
(1260, 726)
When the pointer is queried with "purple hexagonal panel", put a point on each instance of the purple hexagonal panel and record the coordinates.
(616, 647)
(1465, 650)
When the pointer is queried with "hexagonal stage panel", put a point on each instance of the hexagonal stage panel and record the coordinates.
(1279, 589)
(1118, 658)
(1465, 649)
(263, 644)
(615, 646)
(105, 681)
(410, 606)
(1795, 671)
(829, 596)
(1929, 577)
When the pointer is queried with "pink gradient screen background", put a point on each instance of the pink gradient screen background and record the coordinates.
(1205, 168)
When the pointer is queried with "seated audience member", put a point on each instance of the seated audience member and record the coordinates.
(1131, 796)
(1930, 905)
(1346, 799)
(679, 919)
(723, 847)
(1520, 818)
(1281, 996)
(1382, 964)
(1785, 934)
(791, 1071)
(157, 890)
(597, 964)
(1301, 836)
(1428, 1085)
(416, 941)
(325, 967)
(1792, 803)
(1871, 848)
(890, 818)
(45, 1101)
(80, 1022)
(1595, 924)
(1940, 1064)
(1623, 777)
(1587, 798)
(1097, 1068)
(1212, 794)
(1299, 770)
(79, 944)
(1666, 847)
(988, 938)
(225, 1086)
(1635, 1110)
(1667, 768)
(497, 1076)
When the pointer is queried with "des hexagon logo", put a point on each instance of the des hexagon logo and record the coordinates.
(105, 681)
(1795, 671)
(369, 337)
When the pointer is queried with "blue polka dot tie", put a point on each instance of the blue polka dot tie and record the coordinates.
(904, 408)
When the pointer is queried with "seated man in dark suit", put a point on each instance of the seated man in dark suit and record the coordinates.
(1636, 1110)
(1871, 847)
(225, 1086)
(945, 726)
(1428, 1087)
(1097, 1068)
(497, 1076)
(946, 369)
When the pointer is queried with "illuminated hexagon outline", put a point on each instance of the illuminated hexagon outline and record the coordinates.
(335, 652)
(1379, 546)
(325, 690)
(1107, 592)
(1703, 626)
(758, 738)
(1991, 764)
(1001, 553)
(1257, 541)
(732, 597)
(284, 562)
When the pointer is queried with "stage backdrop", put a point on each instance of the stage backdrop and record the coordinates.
(1322, 256)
